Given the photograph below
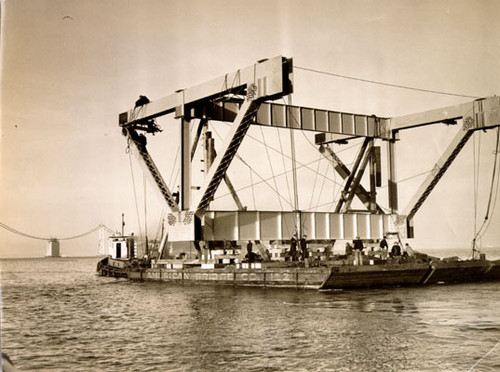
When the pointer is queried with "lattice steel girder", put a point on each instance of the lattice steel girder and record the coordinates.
(481, 113)
(221, 163)
(275, 225)
(151, 170)
(438, 171)
(272, 77)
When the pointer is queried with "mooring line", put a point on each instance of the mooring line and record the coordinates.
(484, 356)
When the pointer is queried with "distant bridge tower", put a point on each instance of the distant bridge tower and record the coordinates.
(104, 233)
(53, 249)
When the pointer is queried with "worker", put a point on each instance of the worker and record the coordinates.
(358, 248)
(383, 244)
(251, 256)
(141, 101)
(409, 250)
(249, 246)
(303, 247)
(384, 247)
(293, 248)
(348, 249)
(396, 250)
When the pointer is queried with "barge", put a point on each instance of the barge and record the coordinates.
(340, 272)
(246, 98)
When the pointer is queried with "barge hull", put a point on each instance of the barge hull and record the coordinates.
(323, 277)
(273, 277)
(345, 277)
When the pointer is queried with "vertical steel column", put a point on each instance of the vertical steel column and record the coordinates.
(185, 196)
(391, 172)
(359, 175)
(373, 189)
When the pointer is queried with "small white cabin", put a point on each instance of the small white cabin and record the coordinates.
(122, 247)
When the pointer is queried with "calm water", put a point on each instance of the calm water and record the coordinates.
(59, 316)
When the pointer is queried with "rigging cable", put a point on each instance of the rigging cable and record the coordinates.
(284, 165)
(145, 212)
(382, 83)
(135, 193)
(258, 175)
(301, 165)
(493, 192)
(270, 165)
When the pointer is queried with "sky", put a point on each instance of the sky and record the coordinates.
(68, 68)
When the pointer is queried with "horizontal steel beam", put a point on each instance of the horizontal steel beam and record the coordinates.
(259, 225)
(479, 114)
(303, 118)
(272, 78)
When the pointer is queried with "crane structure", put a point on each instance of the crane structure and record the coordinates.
(244, 98)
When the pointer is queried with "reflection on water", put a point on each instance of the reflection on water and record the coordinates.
(59, 316)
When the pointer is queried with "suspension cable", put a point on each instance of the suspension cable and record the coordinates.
(18, 232)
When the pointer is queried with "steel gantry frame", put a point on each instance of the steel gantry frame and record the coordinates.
(244, 97)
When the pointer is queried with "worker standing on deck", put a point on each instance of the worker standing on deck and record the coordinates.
(249, 246)
(358, 248)
(384, 247)
(303, 247)
(396, 250)
(348, 249)
(293, 248)
(409, 250)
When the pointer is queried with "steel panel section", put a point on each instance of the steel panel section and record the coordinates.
(288, 223)
(376, 226)
(229, 108)
(308, 119)
(270, 225)
(335, 122)
(321, 120)
(360, 125)
(294, 117)
(278, 115)
(371, 130)
(348, 124)
(336, 226)
(350, 226)
(208, 226)
(308, 227)
(264, 114)
(363, 226)
(322, 225)
(226, 226)
(249, 226)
